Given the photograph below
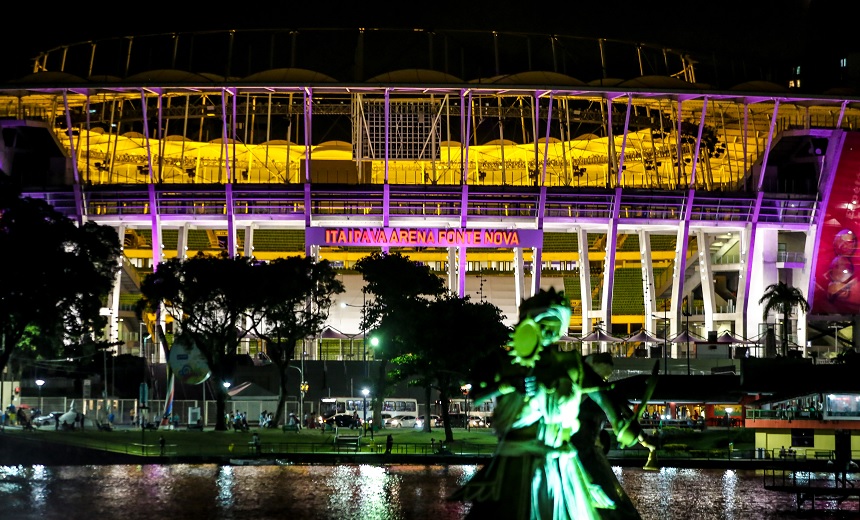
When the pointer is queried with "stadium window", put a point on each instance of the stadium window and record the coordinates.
(843, 63)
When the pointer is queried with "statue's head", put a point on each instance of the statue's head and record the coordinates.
(544, 318)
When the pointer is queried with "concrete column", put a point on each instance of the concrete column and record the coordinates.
(452, 269)
(519, 276)
(706, 276)
(182, 242)
(584, 278)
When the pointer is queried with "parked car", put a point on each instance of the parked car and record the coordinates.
(402, 421)
(477, 422)
(47, 420)
(436, 421)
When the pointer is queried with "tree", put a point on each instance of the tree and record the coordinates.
(394, 282)
(451, 340)
(296, 298)
(782, 298)
(210, 300)
(55, 276)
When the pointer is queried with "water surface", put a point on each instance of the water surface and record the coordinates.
(365, 492)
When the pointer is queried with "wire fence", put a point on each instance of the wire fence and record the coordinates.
(127, 412)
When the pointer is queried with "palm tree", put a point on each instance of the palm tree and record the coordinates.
(782, 298)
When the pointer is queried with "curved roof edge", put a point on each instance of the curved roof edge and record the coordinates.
(414, 76)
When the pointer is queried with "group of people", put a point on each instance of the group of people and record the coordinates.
(170, 420)
(13, 416)
(267, 419)
(238, 421)
(293, 420)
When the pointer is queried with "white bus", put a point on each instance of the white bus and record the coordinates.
(459, 408)
(332, 406)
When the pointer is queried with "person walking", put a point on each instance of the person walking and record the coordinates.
(389, 443)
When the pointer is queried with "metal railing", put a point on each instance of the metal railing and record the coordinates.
(367, 201)
(792, 257)
(147, 445)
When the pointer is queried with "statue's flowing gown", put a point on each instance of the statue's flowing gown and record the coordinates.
(539, 470)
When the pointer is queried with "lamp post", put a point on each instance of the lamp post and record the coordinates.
(665, 320)
(142, 339)
(226, 385)
(363, 308)
(364, 393)
(374, 342)
(39, 383)
(687, 330)
(302, 390)
(466, 389)
(835, 328)
(143, 397)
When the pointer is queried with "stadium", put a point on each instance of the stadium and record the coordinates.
(663, 191)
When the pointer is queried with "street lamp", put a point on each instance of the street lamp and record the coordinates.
(363, 308)
(374, 342)
(686, 313)
(835, 328)
(665, 320)
(142, 339)
(365, 392)
(39, 383)
(302, 389)
(466, 389)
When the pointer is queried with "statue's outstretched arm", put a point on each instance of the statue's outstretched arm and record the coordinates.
(620, 416)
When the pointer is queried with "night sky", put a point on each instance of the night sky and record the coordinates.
(760, 27)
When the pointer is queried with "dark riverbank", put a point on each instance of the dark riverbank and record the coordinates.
(20, 450)
(17, 450)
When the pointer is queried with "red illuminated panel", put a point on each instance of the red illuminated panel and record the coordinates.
(838, 263)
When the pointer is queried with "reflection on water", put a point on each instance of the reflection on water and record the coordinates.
(391, 492)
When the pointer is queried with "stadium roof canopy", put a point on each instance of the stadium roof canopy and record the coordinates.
(357, 56)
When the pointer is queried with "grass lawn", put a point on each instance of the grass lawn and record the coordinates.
(740, 438)
(232, 443)
(210, 442)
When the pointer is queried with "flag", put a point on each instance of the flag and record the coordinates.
(168, 402)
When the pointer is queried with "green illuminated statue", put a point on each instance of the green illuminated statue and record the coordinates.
(549, 413)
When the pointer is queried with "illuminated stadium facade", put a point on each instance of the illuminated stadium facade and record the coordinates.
(483, 155)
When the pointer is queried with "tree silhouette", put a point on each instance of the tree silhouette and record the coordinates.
(451, 339)
(296, 298)
(58, 289)
(210, 299)
(782, 298)
(392, 282)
